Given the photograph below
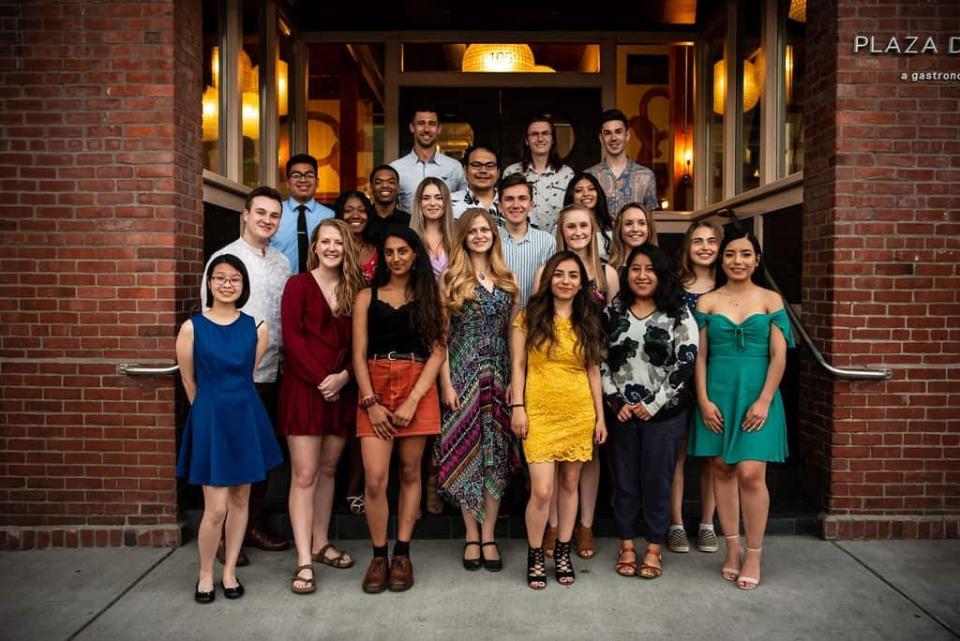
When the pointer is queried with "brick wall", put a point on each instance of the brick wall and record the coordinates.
(100, 191)
(881, 284)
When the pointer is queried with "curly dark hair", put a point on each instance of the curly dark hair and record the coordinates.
(667, 294)
(585, 319)
(366, 234)
(426, 319)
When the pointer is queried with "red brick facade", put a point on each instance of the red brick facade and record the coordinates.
(100, 183)
(881, 278)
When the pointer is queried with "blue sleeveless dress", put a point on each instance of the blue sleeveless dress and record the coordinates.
(228, 438)
(738, 356)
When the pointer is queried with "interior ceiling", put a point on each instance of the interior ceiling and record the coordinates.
(429, 15)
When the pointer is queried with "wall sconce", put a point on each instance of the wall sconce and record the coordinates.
(687, 166)
(250, 115)
(283, 107)
(751, 86)
(498, 58)
(788, 73)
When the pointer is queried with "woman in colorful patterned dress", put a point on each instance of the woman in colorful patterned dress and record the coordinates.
(477, 454)
(557, 403)
(739, 419)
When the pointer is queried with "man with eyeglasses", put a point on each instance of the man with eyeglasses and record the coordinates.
(623, 180)
(543, 169)
(425, 159)
(268, 270)
(301, 212)
(483, 172)
(385, 185)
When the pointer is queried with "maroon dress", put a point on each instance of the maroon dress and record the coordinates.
(316, 344)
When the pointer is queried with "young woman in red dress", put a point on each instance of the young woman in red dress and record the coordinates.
(317, 397)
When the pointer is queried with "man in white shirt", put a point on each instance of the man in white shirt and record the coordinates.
(483, 171)
(525, 249)
(301, 212)
(425, 159)
(268, 270)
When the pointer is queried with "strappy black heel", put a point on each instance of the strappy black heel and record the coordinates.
(536, 568)
(564, 567)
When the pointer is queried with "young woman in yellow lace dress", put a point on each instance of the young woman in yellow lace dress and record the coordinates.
(556, 402)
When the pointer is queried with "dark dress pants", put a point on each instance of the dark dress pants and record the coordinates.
(643, 455)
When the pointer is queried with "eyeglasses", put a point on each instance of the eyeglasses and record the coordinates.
(296, 175)
(220, 281)
(539, 134)
(490, 166)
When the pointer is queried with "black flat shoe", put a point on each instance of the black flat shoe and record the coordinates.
(472, 564)
(493, 565)
(204, 597)
(232, 593)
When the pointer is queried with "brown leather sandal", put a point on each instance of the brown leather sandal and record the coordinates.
(339, 562)
(627, 568)
(583, 541)
(550, 540)
(309, 585)
(648, 570)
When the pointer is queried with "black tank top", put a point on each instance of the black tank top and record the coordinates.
(388, 329)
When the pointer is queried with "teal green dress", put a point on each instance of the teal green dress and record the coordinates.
(739, 354)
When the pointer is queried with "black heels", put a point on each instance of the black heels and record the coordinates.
(564, 566)
(536, 568)
(492, 565)
(472, 564)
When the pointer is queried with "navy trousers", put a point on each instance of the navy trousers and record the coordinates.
(643, 455)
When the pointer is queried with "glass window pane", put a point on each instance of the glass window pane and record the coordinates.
(210, 137)
(653, 85)
(284, 103)
(250, 93)
(794, 83)
(753, 69)
(716, 95)
(501, 57)
(344, 114)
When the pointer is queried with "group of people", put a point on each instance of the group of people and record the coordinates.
(500, 329)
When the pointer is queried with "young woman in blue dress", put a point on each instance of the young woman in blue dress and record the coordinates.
(228, 440)
(697, 273)
(739, 419)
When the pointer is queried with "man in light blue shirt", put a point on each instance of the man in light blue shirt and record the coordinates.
(301, 212)
(425, 159)
(525, 249)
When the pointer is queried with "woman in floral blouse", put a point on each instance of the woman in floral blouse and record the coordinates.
(653, 342)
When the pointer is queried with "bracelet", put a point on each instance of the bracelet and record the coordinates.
(369, 401)
(516, 405)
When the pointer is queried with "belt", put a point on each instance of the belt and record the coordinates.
(398, 356)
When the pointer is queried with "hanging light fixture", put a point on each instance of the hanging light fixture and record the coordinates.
(543, 69)
(798, 10)
(751, 86)
(498, 58)
(250, 114)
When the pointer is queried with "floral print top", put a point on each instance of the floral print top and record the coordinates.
(650, 360)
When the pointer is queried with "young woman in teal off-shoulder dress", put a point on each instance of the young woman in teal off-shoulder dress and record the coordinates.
(739, 418)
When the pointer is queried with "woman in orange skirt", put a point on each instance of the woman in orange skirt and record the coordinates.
(398, 347)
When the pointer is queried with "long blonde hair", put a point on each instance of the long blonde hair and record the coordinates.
(351, 278)
(460, 281)
(620, 251)
(418, 223)
(596, 266)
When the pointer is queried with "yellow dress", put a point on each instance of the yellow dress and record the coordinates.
(559, 405)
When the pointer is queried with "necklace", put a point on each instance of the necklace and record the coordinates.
(482, 275)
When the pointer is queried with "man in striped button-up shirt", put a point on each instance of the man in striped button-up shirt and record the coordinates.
(524, 248)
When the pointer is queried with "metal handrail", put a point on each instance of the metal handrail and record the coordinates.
(135, 369)
(846, 373)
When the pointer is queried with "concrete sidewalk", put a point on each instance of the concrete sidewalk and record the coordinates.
(810, 589)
